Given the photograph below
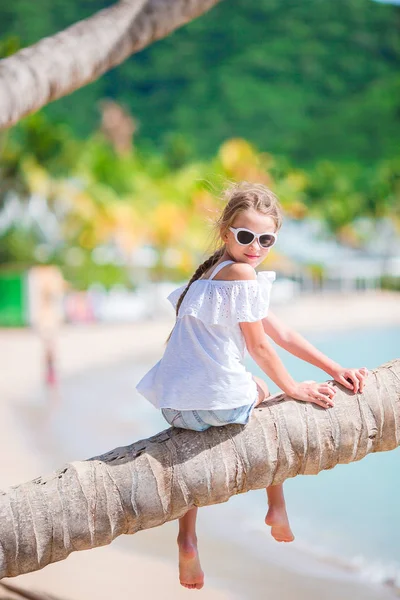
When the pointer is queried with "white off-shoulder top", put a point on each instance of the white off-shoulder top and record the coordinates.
(202, 367)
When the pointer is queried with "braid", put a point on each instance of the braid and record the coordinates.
(239, 197)
(196, 275)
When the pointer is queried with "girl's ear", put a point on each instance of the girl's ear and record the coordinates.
(224, 235)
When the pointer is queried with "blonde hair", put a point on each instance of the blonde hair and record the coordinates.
(238, 197)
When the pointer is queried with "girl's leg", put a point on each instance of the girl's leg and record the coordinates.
(190, 574)
(263, 391)
(276, 517)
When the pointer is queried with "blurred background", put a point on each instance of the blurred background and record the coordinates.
(107, 198)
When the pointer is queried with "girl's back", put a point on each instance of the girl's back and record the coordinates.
(202, 367)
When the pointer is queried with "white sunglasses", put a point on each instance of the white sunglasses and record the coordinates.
(245, 237)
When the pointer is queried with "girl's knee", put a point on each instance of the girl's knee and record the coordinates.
(263, 391)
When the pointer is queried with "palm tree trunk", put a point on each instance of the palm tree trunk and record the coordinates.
(60, 64)
(89, 503)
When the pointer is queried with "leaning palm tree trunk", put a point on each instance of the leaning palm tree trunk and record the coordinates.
(60, 64)
(89, 503)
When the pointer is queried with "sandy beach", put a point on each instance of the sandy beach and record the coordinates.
(144, 564)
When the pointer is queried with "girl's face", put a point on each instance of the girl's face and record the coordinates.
(254, 254)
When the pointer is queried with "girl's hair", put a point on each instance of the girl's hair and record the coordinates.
(239, 197)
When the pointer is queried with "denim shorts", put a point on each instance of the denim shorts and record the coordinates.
(200, 420)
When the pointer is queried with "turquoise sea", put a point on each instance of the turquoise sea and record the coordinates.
(349, 515)
(346, 520)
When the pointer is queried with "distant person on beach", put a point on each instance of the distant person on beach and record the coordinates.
(201, 380)
(47, 287)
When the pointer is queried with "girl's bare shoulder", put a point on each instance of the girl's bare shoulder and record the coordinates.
(236, 271)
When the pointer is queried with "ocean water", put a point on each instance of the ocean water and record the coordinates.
(349, 515)
(346, 520)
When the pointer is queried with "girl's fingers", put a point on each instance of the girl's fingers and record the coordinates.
(355, 382)
(352, 375)
(344, 382)
(354, 379)
(325, 401)
(329, 396)
(354, 385)
(322, 400)
(331, 388)
(364, 374)
(327, 390)
(360, 378)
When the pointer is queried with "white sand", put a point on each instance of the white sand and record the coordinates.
(109, 571)
(106, 572)
(341, 311)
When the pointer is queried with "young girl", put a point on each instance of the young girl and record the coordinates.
(201, 380)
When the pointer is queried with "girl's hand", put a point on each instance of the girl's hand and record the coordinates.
(318, 393)
(352, 379)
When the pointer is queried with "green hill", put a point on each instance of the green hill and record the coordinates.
(312, 79)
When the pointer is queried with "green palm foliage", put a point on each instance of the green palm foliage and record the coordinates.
(105, 206)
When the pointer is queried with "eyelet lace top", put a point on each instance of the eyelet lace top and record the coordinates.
(202, 366)
(226, 303)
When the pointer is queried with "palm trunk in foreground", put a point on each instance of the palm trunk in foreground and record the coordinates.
(62, 63)
(89, 503)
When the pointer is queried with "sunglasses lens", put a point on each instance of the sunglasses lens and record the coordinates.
(267, 241)
(245, 237)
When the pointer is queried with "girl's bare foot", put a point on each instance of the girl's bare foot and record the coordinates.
(278, 520)
(191, 575)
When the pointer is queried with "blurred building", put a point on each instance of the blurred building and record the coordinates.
(32, 296)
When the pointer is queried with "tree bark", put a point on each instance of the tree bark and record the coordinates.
(89, 503)
(62, 63)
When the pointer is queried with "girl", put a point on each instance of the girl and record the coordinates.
(201, 380)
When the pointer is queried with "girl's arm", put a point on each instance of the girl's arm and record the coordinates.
(294, 343)
(263, 353)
